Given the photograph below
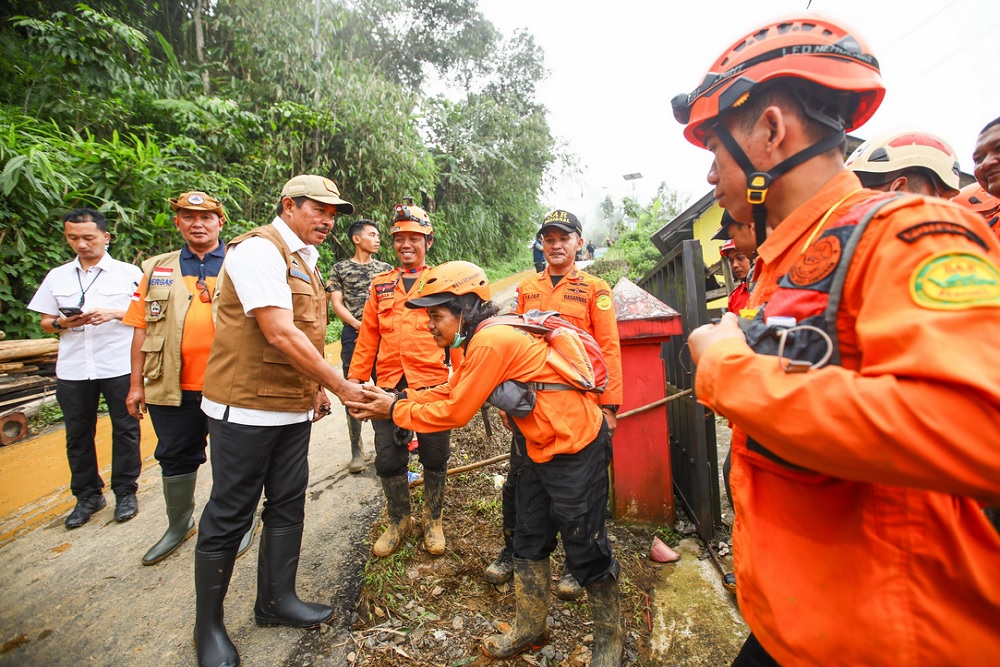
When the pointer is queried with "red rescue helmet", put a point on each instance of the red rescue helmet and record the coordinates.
(444, 282)
(976, 199)
(811, 47)
(410, 218)
(897, 150)
(727, 247)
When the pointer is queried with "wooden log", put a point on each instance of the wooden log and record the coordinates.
(12, 350)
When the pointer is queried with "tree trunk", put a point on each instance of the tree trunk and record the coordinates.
(199, 45)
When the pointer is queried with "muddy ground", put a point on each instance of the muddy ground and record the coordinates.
(82, 598)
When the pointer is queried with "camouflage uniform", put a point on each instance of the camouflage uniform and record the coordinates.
(354, 280)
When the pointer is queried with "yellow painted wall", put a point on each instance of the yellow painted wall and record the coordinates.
(704, 228)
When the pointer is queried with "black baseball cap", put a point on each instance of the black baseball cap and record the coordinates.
(723, 233)
(563, 220)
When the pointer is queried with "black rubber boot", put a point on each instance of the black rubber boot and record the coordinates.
(501, 570)
(357, 463)
(568, 587)
(605, 605)
(277, 565)
(212, 572)
(178, 495)
(434, 483)
(531, 593)
(397, 501)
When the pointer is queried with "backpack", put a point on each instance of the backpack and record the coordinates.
(573, 353)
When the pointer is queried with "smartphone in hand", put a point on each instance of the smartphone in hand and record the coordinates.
(71, 311)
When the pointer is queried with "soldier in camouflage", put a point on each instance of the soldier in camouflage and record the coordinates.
(349, 284)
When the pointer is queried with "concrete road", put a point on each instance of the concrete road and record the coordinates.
(82, 597)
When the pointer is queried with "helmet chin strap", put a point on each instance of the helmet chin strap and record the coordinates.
(758, 182)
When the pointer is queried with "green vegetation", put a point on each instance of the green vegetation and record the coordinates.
(122, 106)
(633, 255)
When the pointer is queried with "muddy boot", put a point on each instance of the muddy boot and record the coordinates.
(568, 587)
(248, 536)
(501, 570)
(357, 463)
(397, 500)
(212, 572)
(605, 605)
(277, 602)
(531, 593)
(178, 494)
(434, 483)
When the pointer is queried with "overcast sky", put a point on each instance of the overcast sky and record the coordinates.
(614, 66)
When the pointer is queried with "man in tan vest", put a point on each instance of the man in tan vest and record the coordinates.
(172, 315)
(264, 386)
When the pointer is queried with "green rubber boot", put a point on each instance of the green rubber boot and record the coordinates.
(178, 494)
(605, 605)
(531, 592)
(357, 464)
(397, 500)
(434, 483)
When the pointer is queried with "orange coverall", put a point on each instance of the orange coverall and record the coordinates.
(586, 301)
(399, 336)
(878, 553)
(563, 422)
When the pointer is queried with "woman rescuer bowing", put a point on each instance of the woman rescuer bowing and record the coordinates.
(564, 487)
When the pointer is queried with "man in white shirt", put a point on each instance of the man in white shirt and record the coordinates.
(264, 386)
(84, 302)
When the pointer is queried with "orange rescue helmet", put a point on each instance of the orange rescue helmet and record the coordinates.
(808, 47)
(410, 218)
(976, 199)
(444, 282)
(894, 151)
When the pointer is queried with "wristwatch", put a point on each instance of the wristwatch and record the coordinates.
(613, 408)
(56, 325)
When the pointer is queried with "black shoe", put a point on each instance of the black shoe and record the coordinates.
(84, 508)
(126, 507)
(729, 582)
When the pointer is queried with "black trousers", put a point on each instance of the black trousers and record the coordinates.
(509, 494)
(247, 460)
(753, 655)
(78, 400)
(568, 496)
(181, 433)
(391, 459)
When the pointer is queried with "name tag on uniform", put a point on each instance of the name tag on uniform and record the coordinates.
(295, 273)
(162, 275)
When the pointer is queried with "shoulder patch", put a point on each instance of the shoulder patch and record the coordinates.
(604, 302)
(817, 262)
(919, 230)
(955, 281)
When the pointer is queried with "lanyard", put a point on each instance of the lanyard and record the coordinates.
(83, 294)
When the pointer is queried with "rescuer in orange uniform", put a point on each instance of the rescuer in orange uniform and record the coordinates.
(857, 484)
(981, 202)
(400, 341)
(586, 301)
(563, 486)
(740, 265)
(986, 167)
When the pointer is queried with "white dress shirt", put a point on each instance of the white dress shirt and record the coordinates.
(90, 352)
(260, 277)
